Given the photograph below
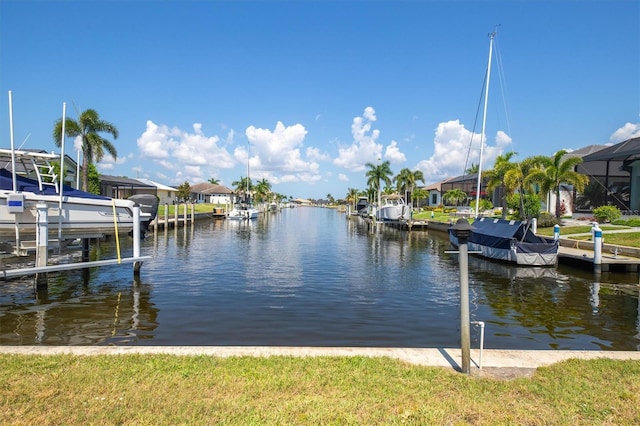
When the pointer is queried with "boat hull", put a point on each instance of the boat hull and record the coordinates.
(78, 217)
(509, 241)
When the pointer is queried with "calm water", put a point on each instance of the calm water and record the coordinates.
(308, 276)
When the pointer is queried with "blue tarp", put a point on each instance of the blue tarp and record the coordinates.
(30, 185)
(499, 233)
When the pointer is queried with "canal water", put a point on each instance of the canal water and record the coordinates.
(310, 277)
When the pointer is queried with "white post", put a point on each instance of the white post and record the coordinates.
(61, 177)
(13, 153)
(556, 232)
(42, 243)
(597, 245)
(534, 225)
(136, 231)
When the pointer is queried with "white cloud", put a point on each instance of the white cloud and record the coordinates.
(342, 177)
(364, 148)
(315, 154)
(628, 131)
(195, 155)
(451, 147)
(393, 154)
(276, 155)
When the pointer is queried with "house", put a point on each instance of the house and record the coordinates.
(123, 187)
(435, 193)
(615, 170)
(206, 192)
(166, 194)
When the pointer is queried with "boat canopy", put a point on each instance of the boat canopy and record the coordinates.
(31, 185)
(499, 233)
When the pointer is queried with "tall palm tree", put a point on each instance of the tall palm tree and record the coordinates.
(262, 189)
(495, 178)
(214, 181)
(519, 179)
(378, 174)
(88, 126)
(556, 172)
(243, 186)
(406, 181)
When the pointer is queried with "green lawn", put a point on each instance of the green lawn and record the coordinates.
(167, 390)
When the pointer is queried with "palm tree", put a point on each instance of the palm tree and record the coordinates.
(214, 181)
(352, 196)
(418, 194)
(262, 189)
(474, 168)
(495, 178)
(556, 172)
(406, 181)
(454, 196)
(377, 174)
(518, 179)
(243, 186)
(88, 127)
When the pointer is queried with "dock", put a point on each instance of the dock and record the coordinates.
(571, 252)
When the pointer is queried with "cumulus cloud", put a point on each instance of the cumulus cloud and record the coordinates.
(451, 148)
(393, 154)
(342, 177)
(195, 155)
(365, 148)
(628, 131)
(276, 155)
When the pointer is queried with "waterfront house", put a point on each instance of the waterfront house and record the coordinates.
(206, 192)
(166, 194)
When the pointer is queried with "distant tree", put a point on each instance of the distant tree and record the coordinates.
(243, 187)
(214, 181)
(454, 197)
(93, 178)
(377, 174)
(474, 168)
(419, 194)
(558, 171)
(262, 190)
(352, 196)
(88, 126)
(496, 176)
(184, 191)
(406, 181)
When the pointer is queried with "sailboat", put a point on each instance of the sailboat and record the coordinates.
(500, 239)
(244, 210)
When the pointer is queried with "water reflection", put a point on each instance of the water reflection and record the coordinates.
(308, 276)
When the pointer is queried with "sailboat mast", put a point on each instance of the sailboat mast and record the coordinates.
(484, 122)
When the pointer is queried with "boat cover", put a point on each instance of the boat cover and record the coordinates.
(31, 185)
(502, 234)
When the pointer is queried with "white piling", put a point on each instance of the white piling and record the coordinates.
(556, 232)
(42, 243)
(597, 245)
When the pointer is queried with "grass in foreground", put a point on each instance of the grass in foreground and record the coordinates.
(159, 389)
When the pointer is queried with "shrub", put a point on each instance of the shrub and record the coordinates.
(606, 213)
(546, 220)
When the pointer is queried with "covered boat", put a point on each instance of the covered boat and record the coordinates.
(510, 241)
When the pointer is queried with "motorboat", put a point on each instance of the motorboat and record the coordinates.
(393, 208)
(243, 212)
(362, 206)
(71, 213)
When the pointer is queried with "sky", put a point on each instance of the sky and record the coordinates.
(305, 93)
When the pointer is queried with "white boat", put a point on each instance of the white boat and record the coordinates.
(243, 212)
(510, 241)
(72, 214)
(393, 208)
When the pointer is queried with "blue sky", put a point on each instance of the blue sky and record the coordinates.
(317, 89)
